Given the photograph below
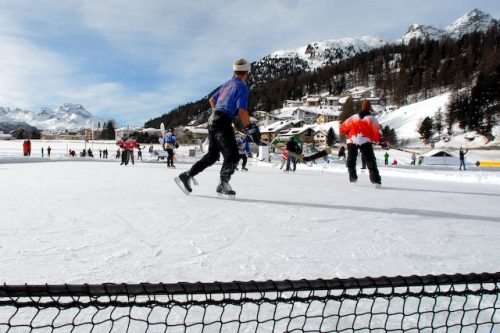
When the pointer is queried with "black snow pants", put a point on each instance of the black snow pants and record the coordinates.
(170, 157)
(366, 151)
(221, 139)
(244, 158)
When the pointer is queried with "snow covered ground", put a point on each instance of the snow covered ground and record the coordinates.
(87, 221)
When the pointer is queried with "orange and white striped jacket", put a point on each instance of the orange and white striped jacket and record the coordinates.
(361, 130)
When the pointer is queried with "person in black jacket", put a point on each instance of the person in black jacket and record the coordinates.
(461, 153)
(293, 147)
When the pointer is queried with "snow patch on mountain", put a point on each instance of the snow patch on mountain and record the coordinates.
(417, 31)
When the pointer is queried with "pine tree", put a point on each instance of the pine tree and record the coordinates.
(425, 129)
(390, 135)
(108, 133)
(331, 137)
(438, 122)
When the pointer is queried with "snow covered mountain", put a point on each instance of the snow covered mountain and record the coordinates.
(65, 117)
(418, 31)
(475, 20)
(282, 63)
(318, 54)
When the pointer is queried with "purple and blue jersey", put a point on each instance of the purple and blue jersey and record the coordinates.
(231, 96)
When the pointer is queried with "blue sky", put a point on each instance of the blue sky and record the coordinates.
(133, 60)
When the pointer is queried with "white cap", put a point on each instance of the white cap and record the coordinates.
(241, 65)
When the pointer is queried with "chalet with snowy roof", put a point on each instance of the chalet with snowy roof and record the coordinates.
(327, 115)
(305, 134)
(320, 138)
(360, 92)
(292, 103)
(268, 133)
(311, 100)
(120, 132)
(191, 134)
(331, 101)
(266, 118)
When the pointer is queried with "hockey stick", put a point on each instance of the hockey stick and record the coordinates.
(315, 156)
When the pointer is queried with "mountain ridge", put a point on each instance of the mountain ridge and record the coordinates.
(65, 117)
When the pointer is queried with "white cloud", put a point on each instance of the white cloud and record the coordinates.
(29, 74)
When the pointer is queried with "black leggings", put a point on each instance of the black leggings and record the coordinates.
(170, 157)
(221, 139)
(244, 158)
(366, 150)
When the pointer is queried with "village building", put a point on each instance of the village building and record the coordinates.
(292, 103)
(311, 100)
(270, 132)
(191, 134)
(320, 137)
(6, 136)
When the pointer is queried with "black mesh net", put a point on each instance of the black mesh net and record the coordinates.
(444, 303)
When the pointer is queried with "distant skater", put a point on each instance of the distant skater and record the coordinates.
(244, 151)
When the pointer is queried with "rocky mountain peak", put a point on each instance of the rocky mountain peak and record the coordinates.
(475, 20)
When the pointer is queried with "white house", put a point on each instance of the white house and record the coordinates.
(439, 157)
(292, 103)
(320, 138)
(4, 136)
(311, 100)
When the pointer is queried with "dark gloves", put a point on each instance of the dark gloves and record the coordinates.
(253, 133)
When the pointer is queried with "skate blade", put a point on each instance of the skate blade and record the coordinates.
(179, 183)
(377, 185)
(227, 196)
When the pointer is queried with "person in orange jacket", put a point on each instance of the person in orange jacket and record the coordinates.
(284, 157)
(361, 130)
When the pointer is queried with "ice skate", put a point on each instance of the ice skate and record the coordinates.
(184, 182)
(225, 189)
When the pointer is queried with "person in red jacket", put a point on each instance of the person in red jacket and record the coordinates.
(284, 157)
(362, 130)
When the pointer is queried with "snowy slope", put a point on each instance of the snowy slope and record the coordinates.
(407, 119)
